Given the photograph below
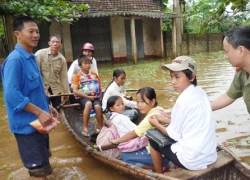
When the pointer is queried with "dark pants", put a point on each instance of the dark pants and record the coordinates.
(55, 101)
(34, 151)
(167, 152)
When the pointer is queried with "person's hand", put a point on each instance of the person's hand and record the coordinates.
(115, 142)
(53, 112)
(154, 121)
(65, 98)
(47, 93)
(162, 119)
(45, 118)
(92, 98)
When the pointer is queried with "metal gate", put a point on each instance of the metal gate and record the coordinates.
(95, 31)
(139, 38)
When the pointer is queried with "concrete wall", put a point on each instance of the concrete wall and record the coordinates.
(192, 43)
(118, 38)
(152, 38)
(64, 30)
(67, 42)
(148, 37)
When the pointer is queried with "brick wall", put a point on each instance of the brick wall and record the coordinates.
(192, 43)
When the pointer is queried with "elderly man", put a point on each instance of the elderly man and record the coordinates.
(53, 68)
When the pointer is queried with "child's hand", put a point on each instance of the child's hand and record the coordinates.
(115, 142)
(92, 98)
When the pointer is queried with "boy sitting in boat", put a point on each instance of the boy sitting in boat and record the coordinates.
(87, 88)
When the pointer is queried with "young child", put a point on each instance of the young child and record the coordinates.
(86, 85)
(114, 88)
(147, 104)
(87, 49)
(192, 125)
(116, 107)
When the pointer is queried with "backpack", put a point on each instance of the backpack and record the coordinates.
(106, 135)
(109, 132)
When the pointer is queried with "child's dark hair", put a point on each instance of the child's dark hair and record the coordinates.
(58, 36)
(189, 75)
(110, 103)
(83, 58)
(18, 23)
(149, 93)
(116, 74)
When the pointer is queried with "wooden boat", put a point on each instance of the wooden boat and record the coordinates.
(227, 167)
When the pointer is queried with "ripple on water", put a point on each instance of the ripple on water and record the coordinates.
(68, 173)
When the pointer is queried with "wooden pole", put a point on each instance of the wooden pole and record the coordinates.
(177, 27)
(161, 39)
(133, 39)
(174, 37)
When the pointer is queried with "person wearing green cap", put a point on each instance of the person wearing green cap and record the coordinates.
(192, 124)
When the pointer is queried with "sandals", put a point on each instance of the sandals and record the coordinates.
(85, 134)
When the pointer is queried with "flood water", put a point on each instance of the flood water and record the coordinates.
(71, 162)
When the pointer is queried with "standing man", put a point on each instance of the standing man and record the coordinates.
(53, 67)
(26, 100)
(236, 44)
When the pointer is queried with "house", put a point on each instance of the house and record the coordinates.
(119, 30)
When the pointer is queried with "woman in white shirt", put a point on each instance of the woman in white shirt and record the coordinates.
(192, 125)
(114, 89)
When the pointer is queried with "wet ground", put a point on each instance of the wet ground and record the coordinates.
(70, 162)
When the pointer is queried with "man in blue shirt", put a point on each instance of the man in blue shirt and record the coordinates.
(26, 100)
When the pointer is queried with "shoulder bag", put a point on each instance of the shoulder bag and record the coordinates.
(159, 138)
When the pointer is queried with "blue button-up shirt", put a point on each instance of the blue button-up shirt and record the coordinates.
(22, 83)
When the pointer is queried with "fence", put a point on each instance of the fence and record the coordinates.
(192, 43)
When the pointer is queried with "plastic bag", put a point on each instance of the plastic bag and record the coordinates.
(44, 130)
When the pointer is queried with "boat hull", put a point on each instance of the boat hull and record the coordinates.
(226, 167)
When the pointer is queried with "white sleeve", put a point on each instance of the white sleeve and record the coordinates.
(94, 66)
(71, 71)
(178, 118)
(123, 124)
(128, 103)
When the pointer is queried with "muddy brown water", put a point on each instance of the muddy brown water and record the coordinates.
(71, 162)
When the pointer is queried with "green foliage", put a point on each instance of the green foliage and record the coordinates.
(215, 16)
(1, 29)
(43, 9)
(167, 25)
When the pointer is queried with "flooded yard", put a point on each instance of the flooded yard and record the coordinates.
(70, 162)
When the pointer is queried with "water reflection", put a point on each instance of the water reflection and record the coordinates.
(71, 162)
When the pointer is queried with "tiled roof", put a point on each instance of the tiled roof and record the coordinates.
(146, 8)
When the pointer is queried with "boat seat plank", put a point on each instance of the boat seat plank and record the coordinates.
(223, 159)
